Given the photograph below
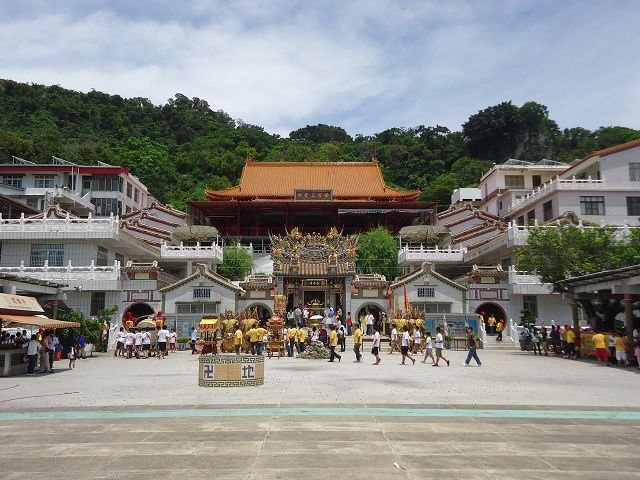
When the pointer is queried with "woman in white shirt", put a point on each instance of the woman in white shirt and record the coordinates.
(376, 345)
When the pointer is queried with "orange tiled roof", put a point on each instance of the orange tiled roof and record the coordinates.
(279, 180)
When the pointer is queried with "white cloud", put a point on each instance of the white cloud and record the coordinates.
(364, 65)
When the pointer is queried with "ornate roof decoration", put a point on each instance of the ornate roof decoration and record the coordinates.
(370, 280)
(314, 254)
(259, 282)
(131, 267)
(427, 269)
(478, 272)
(202, 271)
(335, 180)
(54, 211)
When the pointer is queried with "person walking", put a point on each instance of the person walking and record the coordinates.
(393, 339)
(439, 347)
(163, 335)
(471, 344)
(52, 345)
(370, 320)
(428, 351)
(292, 335)
(72, 357)
(33, 347)
(342, 337)
(570, 339)
(404, 348)
(349, 324)
(237, 339)
(333, 343)
(417, 340)
(357, 343)
(146, 343)
(499, 329)
(375, 349)
(194, 339)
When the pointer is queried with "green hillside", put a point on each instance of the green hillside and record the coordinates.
(184, 146)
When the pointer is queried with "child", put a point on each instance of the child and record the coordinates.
(72, 357)
(428, 352)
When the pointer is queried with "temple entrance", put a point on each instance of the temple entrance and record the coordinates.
(138, 310)
(488, 309)
(372, 308)
(314, 298)
(261, 311)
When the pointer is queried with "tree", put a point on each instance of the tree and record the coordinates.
(321, 133)
(236, 262)
(378, 253)
(91, 329)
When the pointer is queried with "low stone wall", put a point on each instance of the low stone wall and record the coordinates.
(231, 371)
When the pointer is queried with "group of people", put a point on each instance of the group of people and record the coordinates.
(612, 349)
(42, 347)
(144, 342)
(493, 326)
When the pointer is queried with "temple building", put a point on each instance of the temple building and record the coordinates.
(275, 197)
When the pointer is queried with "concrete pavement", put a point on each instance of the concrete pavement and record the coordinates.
(518, 416)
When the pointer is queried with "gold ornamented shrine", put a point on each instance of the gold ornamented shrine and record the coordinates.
(313, 268)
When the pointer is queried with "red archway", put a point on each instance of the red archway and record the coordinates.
(137, 310)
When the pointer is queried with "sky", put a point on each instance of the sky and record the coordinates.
(364, 65)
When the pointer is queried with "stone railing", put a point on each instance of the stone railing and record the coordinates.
(197, 251)
(517, 235)
(411, 254)
(71, 275)
(558, 184)
(514, 335)
(59, 225)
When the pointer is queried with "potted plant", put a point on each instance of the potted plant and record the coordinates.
(447, 340)
(183, 342)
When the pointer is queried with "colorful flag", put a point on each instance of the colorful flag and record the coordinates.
(407, 306)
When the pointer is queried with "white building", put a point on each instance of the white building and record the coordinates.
(101, 189)
(603, 188)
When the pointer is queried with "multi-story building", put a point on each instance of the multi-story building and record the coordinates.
(488, 225)
(98, 190)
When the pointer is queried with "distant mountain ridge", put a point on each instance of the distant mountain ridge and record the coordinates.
(184, 146)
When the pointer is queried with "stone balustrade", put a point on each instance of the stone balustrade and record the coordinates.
(73, 276)
(210, 253)
(413, 254)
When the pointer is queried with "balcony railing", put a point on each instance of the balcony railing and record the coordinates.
(411, 254)
(197, 251)
(70, 275)
(525, 283)
(59, 225)
(518, 234)
(558, 184)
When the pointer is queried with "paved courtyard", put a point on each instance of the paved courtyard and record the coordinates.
(518, 416)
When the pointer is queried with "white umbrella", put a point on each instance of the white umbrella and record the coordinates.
(316, 317)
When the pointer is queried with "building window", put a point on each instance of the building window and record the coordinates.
(634, 172)
(592, 205)
(520, 220)
(547, 210)
(201, 293)
(120, 259)
(135, 195)
(53, 253)
(45, 181)
(536, 180)
(633, 205)
(129, 190)
(12, 180)
(530, 302)
(432, 307)
(105, 206)
(97, 303)
(514, 182)
(426, 292)
(196, 308)
(106, 183)
(531, 217)
(102, 259)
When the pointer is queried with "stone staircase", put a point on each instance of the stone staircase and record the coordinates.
(505, 344)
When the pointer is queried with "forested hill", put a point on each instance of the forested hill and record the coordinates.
(184, 146)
